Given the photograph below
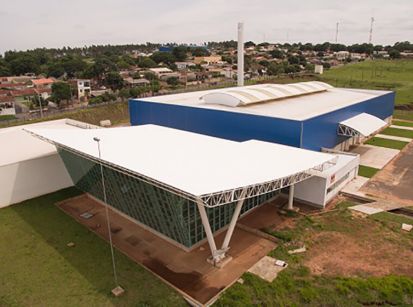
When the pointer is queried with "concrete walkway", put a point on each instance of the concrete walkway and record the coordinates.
(401, 127)
(393, 137)
(375, 156)
(355, 185)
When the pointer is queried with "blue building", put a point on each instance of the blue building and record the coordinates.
(310, 115)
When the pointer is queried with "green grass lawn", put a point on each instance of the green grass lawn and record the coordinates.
(398, 132)
(38, 269)
(402, 123)
(367, 171)
(376, 141)
(297, 286)
(394, 75)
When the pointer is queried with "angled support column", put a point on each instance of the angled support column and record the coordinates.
(291, 197)
(233, 222)
(208, 231)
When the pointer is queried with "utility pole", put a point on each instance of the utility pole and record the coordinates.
(118, 289)
(371, 30)
(336, 32)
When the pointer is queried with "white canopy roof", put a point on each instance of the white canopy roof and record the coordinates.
(362, 124)
(242, 96)
(190, 164)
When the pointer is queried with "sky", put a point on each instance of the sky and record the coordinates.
(28, 24)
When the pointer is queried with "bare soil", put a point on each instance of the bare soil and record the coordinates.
(369, 254)
(394, 182)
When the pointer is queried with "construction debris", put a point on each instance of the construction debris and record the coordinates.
(268, 268)
(118, 291)
(407, 227)
(297, 251)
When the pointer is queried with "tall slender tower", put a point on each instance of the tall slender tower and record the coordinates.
(371, 30)
(240, 64)
(336, 32)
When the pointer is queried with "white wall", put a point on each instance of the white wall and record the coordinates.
(312, 190)
(31, 178)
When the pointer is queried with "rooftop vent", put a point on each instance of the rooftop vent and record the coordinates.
(243, 96)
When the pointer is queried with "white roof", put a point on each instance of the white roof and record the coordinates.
(262, 93)
(17, 145)
(193, 163)
(295, 108)
(365, 124)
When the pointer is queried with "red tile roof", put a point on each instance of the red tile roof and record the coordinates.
(43, 81)
(26, 92)
(6, 99)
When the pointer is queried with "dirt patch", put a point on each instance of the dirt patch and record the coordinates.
(334, 253)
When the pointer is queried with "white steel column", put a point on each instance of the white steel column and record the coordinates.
(233, 222)
(240, 61)
(207, 227)
(291, 197)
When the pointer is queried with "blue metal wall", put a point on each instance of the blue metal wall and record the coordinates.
(317, 132)
(223, 124)
(321, 131)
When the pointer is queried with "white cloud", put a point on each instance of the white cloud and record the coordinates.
(29, 24)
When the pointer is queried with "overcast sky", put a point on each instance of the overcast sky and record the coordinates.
(27, 24)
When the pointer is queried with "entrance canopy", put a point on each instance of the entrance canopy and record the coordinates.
(363, 124)
(191, 165)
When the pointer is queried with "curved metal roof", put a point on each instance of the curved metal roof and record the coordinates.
(246, 95)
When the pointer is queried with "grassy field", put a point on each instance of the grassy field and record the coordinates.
(402, 123)
(398, 132)
(367, 171)
(298, 286)
(394, 75)
(376, 141)
(38, 269)
(117, 113)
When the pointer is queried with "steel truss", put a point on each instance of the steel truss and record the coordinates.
(344, 130)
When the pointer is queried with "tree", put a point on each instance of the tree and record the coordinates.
(394, 53)
(200, 52)
(173, 81)
(73, 65)
(249, 44)
(37, 100)
(114, 80)
(163, 57)
(274, 69)
(277, 54)
(24, 63)
(124, 93)
(180, 53)
(146, 62)
(150, 76)
(61, 91)
(55, 70)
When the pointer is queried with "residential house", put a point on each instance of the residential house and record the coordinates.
(212, 59)
(7, 105)
(164, 73)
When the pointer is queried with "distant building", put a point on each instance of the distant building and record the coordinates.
(43, 86)
(318, 69)
(212, 59)
(164, 73)
(184, 65)
(131, 82)
(7, 106)
(83, 88)
(342, 55)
